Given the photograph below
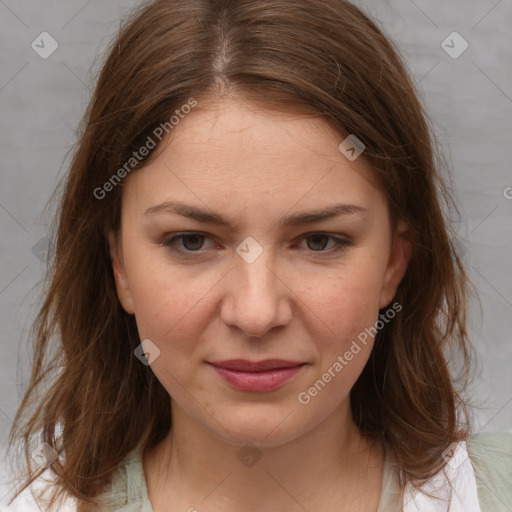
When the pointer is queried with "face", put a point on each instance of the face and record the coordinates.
(220, 258)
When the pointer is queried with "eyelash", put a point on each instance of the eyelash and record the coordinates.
(341, 243)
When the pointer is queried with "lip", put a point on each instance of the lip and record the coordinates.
(256, 375)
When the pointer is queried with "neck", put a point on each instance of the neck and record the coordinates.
(332, 461)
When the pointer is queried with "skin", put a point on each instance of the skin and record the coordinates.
(299, 300)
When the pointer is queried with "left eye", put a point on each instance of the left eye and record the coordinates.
(192, 242)
(321, 239)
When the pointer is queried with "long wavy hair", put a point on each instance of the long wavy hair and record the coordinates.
(89, 398)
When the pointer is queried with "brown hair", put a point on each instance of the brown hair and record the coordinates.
(322, 57)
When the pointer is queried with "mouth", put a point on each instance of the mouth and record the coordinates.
(259, 376)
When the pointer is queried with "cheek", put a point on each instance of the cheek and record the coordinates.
(168, 310)
(171, 303)
(348, 306)
(347, 303)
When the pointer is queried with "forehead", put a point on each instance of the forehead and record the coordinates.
(233, 124)
(228, 147)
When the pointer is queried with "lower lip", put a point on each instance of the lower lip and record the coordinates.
(257, 381)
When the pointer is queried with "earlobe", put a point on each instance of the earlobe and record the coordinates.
(397, 265)
(122, 287)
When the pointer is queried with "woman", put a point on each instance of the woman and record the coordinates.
(254, 287)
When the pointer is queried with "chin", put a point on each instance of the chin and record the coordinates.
(263, 430)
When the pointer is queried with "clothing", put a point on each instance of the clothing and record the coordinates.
(490, 456)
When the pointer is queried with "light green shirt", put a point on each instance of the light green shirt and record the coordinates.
(490, 454)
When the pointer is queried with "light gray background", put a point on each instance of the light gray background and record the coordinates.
(469, 98)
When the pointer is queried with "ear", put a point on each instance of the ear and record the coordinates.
(122, 287)
(399, 257)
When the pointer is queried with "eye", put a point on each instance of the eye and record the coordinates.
(317, 242)
(190, 241)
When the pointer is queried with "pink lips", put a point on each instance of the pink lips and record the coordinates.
(256, 376)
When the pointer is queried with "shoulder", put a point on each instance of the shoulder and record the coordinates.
(491, 456)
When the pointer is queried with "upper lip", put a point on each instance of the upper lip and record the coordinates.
(255, 366)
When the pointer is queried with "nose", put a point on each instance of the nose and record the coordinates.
(257, 299)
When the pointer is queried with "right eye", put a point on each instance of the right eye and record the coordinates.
(190, 242)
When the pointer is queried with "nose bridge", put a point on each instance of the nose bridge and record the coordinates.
(256, 302)
(257, 276)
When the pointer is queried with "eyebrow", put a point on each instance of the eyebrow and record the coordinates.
(193, 212)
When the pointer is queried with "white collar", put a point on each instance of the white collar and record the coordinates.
(462, 496)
